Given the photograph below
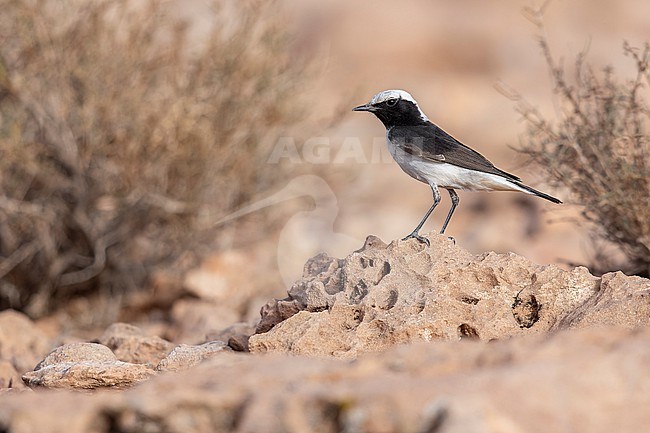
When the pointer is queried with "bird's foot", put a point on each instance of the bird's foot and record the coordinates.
(451, 238)
(422, 239)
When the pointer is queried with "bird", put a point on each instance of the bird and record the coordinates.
(427, 153)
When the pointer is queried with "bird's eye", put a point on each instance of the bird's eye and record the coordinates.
(391, 102)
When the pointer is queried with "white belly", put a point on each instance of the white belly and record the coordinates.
(445, 175)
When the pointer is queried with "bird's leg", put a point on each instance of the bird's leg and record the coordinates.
(454, 202)
(414, 233)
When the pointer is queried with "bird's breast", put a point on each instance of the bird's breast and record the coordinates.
(404, 160)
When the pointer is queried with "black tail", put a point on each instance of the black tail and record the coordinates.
(538, 193)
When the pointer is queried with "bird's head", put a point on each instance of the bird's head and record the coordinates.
(394, 107)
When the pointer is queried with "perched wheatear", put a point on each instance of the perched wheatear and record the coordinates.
(427, 153)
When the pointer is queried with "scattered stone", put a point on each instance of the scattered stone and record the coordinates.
(276, 311)
(236, 335)
(85, 366)
(129, 344)
(78, 352)
(185, 356)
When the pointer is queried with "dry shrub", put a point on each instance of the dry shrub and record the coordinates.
(123, 136)
(598, 147)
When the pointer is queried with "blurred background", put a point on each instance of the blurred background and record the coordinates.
(177, 162)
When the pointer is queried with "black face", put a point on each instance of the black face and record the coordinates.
(393, 112)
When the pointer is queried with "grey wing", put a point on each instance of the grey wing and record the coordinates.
(431, 143)
(414, 149)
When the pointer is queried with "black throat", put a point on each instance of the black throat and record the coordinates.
(404, 113)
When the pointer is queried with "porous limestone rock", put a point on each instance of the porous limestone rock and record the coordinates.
(384, 295)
